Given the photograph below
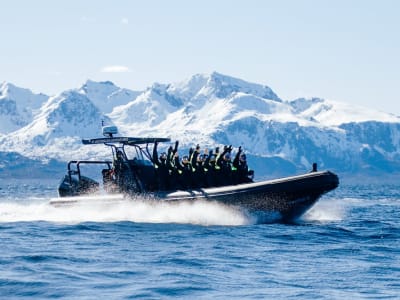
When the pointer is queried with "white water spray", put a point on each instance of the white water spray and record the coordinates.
(326, 211)
(193, 212)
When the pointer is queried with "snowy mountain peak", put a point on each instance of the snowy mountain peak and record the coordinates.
(69, 114)
(209, 109)
(24, 97)
(224, 86)
(189, 88)
(106, 87)
(202, 88)
(7, 89)
(106, 95)
(18, 106)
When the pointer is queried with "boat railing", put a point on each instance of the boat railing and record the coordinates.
(78, 163)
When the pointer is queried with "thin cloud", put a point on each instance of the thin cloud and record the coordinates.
(124, 21)
(115, 69)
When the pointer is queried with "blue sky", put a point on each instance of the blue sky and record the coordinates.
(341, 50)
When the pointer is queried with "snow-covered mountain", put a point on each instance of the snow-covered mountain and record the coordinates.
(18, 107)
(106, 95)
(279, 136)
(57, 127)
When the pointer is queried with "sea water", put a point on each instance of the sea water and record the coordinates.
(346, 247)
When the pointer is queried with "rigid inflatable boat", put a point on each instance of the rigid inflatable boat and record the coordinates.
(125, 178)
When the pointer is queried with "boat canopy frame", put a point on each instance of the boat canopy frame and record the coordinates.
(119, 143)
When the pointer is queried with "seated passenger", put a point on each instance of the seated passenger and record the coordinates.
(225, 166)
(197, 167)
(161, 167)
(184, 171)
(172, 166)
(240, 169)
(202, 170)
(209, 164)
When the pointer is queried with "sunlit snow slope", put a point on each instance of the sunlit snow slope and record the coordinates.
(279, 136)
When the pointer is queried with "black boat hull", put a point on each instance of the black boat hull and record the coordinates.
(289, 196)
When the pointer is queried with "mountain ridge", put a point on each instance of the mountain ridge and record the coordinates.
(209, 109)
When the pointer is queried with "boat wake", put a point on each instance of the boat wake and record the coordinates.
(198, 212)
(326, 211)
(140, 211)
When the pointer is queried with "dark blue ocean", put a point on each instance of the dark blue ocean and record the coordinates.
(346, 247)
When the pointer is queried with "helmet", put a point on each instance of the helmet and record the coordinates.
(227, 156)
(242, 157)
(163, 156)
(185, 159)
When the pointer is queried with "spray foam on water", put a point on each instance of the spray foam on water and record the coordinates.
(193, 212)
(326, 211)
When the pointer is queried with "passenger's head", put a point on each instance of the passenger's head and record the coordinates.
(242, 157)
(120, 155)
(227, 156)
(163, 156)
(202, 157)
(185, 160)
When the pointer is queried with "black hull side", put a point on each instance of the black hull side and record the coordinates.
(290, 196)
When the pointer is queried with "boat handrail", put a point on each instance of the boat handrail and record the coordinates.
(79, 162)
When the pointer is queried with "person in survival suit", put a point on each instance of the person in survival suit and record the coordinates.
(224, 164)
(240, 170)
(172, 166)
(161, 168)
